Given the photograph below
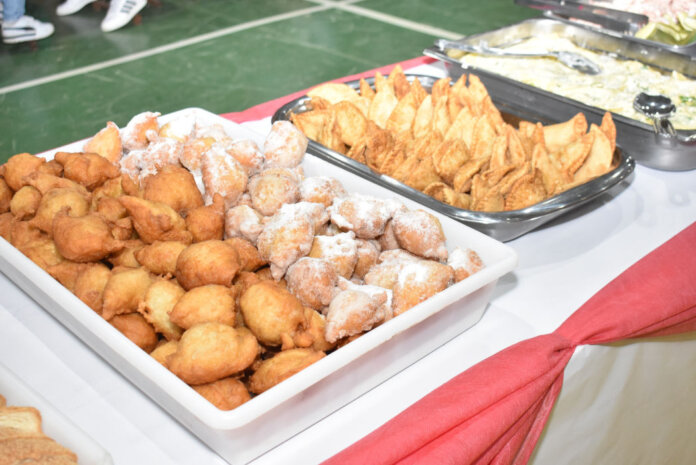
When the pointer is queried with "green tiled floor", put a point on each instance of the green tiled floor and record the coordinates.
(245, 64)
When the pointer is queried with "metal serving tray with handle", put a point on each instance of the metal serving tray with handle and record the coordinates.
(660, 150)
(503, 226)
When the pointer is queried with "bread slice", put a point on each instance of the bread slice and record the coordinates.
(49, 460)
(16, 449)
(24, 419)
(3, 401)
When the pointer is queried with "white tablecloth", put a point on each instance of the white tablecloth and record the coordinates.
(624, 403)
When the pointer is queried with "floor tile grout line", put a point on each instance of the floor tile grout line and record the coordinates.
(161, 49)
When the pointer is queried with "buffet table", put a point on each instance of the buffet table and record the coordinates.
(627, 402)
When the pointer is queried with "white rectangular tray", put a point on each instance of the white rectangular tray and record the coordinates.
(267, 420)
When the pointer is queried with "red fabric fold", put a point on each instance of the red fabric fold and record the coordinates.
(495, 411)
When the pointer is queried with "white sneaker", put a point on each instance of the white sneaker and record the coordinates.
(25, 29)
(120, 13)
(69, 7)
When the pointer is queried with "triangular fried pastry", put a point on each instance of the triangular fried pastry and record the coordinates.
(478, 92)
(505, 184)
(418, 92)
(516, 151)
(573, 155)
(403, 171)
(482, 137)
(599, 160)
(393, 160)
(378, 144)
(399, 83)
(320, 103)
(498, 166)
(484, 197)
(463, 178)
(350, 121)
(609, 129)
(423, 175)
(441, 120)
(423, 119)
(493, 114)
(445, 194)
(557, 136)
(401, 118)
(526, 191)
(363, 104)
(461, 126)
(382, 84)
(551, 175)
(357, 151)
(330, 135)
(310, 122)
(440, 91)
(381, 107)
(454, 105)
(449, 157)
(366, 90)
(334, 92)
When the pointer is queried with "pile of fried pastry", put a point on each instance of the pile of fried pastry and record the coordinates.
(453, 143)
(218, 256)
(22, 439)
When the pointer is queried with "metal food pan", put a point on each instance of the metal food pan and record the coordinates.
(503, 226)
(660, 151)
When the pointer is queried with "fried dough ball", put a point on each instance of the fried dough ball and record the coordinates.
(271, 189)
(386, 273)
(418, 281)
(270, 312)
(341, 251)
(124, 291)
(52, 167)
(111, 209)
(88, 169)
(25, 202)
(368, 253)
(18, 167)
(211, 351)
(287, 237)
(66, 273)
(137, 329)
(285, 145)
(84, 239)
(387, 241)
(193, 152)
(207, 222)
(465, 262)
(222, 175)
(44, 182)
(174, 186)
(160, 257)
(225, 394)
(160, 298)
(243, 221)
(314, 211)
(24, 233)
(249, 257)
(180, 128)
(7, 221)
(140, 131)
(126, 257)
(247, 154)
(282, 366)
(139, 164)
(163, 351)
(207, 262)
(5, 196)
(106, 143)
(112, 188)
(316, 328)
(420, 233)
(42, 251)
(364, 215)
(56, 200)
(90, 284)
(321, 189)
(353, 311)
(313, 281)
(202, 304)
(155, 221)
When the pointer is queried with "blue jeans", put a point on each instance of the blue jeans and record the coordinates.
(12, 10)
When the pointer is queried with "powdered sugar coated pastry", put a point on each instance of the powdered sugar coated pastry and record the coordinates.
(215, 131)
(140, 131)
(180, 128)
(465, 262)
(285, 145)
(418, 281)
(271, 189)
(366, 216)
(385, 312)
(247, 153)
(321, 189)
(368, 253)
(352, 312)
(313, 281)
(243, 221)
(315, 211)
(222, 175)
(161, 152)
(420, 233)
(340, 250)
(193, 151)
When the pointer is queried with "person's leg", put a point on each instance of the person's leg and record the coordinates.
(12, 10)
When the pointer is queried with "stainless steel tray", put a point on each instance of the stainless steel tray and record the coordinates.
(660, 151)
(503, 226)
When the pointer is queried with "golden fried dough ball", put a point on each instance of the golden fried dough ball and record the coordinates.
(193, 152)
(249, 257)
(180, 128)
(174, 186)
(418, 281)
(84, 239)
(270, 312)
(7, 221)
(66, 273)
(106, 143)
(465, 262)
(420, 233)
(353, 311)
(225, 394)
(202, 304)
(285, 145)
(247, 154)
(386, 272)
(313, 281)
(207, 222)
(42, 251)
(211, 351)
(163, 351)
(387, 241)
(89, 169)
(112, 188)
(321, 189)
(271, 189)
(341, 251)
(18, 167)
(368, 253)
(5, 196)
(246, 279)
(140, 131)
(24, 233)
(56, 200)
(159, 300)
(316, 212)
(90, 284)
(287, 237)
(44, 182)
(155, 221)
(25, 202)
(110, 208)
(160, 257)
(124, 291)
(282, 366)
(316, 328)
(364, 215)
(222, 175)
(126, 257)
(243, 221)
(137, 329)
(207, 262)
(52, 167)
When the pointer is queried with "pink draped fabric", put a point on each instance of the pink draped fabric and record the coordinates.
(494, 412)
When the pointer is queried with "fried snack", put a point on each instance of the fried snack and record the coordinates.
(225, 394)
(390, 262)
(464, 262)
(418, 281)
(162, 352)
(25, 202)
(137, 329)
(272, 313)
(207, 222)
(207, 262)
(340, 251)
(243, 221)
(420, 233)
(193, 151)
(271, 189)
(285, 146)
(7, 221)
(140, 131)
(126, 257)
(90, 284)
(353, 311)
(364, 215)
(42, 251)
(247, 154)
(202, 304)
(160, 257)
(159, 300)
(84, 239)
(249, 257)
(110, 209)
(66, 273)
(280, 367)
(313, 281)
(106, 143)
(211, 351)
(174, 186)
(180, 128)
(5, 196)
(321, 189)
(18, 167)
(155, 221)
(56, 200)
(88, 169)
(44, 182)
(25, 450)
(222, 175)
(368, 253)
(124, 291)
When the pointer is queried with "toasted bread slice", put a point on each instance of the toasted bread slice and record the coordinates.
(25, 419)
(16, 449)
